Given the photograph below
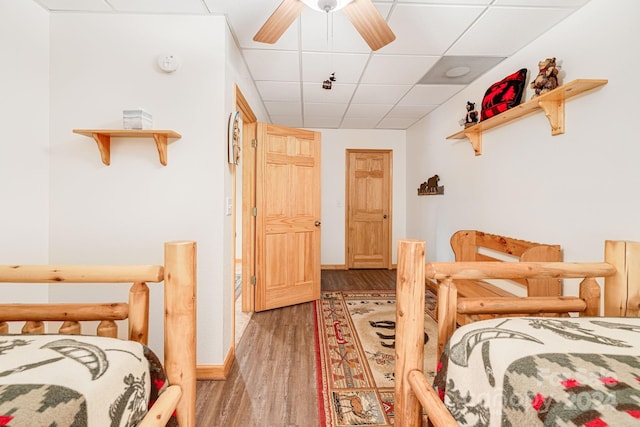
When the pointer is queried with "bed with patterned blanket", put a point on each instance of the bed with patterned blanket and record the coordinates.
(558, 362)
(54, 373)
(530, 371)
(76, 381)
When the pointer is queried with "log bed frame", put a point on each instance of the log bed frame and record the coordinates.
(621, 271)
(179, 276)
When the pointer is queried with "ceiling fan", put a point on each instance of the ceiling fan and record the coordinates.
(362, 13)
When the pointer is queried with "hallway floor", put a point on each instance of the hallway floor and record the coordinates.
(273, 382)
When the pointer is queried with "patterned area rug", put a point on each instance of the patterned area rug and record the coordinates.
(355, 341)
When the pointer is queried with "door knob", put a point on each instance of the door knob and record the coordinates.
(317, 223)
(385, 216)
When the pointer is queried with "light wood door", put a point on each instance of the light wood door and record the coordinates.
(368, 208)
(288, 216)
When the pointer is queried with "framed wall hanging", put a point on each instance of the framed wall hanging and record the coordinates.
(234, 138)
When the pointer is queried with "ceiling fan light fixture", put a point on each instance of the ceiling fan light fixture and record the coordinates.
(326, 5)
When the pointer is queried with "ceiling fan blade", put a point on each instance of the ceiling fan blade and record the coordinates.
(370, 24)
(279, 21)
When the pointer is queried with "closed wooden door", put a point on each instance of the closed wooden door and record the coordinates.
(287, 216)
(368, 208)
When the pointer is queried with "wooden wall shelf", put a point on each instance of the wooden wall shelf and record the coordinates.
(103, 139)
(552, 103)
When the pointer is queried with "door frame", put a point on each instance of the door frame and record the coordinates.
(249, 121)
(348, 151)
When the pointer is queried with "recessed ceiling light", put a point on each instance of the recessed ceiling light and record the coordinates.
(457, 71)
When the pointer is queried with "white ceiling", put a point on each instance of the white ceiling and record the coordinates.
(373, 90)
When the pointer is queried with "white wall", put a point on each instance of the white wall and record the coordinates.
(24, 164)
(335, 142)
(576, 189)
(24, 108)
(100, 65)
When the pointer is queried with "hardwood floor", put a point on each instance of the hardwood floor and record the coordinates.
(273, 382)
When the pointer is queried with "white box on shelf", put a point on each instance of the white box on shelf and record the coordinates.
(136, 119)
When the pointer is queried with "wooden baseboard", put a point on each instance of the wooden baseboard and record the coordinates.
(216, 372)
(333, 267)
(344, 267)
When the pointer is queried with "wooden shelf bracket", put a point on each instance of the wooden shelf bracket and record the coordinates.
(104, 145)
(554, 111)
(161, 144)
(103, 139)
(475, 137)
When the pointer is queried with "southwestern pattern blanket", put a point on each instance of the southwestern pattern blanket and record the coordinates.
(76, 380)
(543, 371)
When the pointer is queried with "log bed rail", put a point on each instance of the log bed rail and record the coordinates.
(412, 389)
(179, 276)
(136, 310)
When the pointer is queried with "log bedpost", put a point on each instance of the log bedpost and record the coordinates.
(447, 303)
(590, 292)
(180, 325)
(622, 290)
(33, 327)
(70, 327)
(410, 290)
(139, 313)
(107, 328)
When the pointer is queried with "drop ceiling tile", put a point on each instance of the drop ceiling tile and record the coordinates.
(379, 94)
(397, 69)
(359, 123)
(504, 30)
(279, 91)
(482, 2)
(340, 93)
(429, 94)
(217, 6)
(542, 3)
(323, 110)
(321, 122)
(291, 121)
(75, 5)
(151, 6)
(348, 68)
(428, 30)
(278, 108)
(273, 65)
(410, 112)
(396, 123)
(370, 111)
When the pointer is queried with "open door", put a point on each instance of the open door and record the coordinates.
(287, 216)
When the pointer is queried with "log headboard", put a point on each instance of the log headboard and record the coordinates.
(177, 276)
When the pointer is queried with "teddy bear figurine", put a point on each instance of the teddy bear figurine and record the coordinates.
(547, 78)
(472, 115)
